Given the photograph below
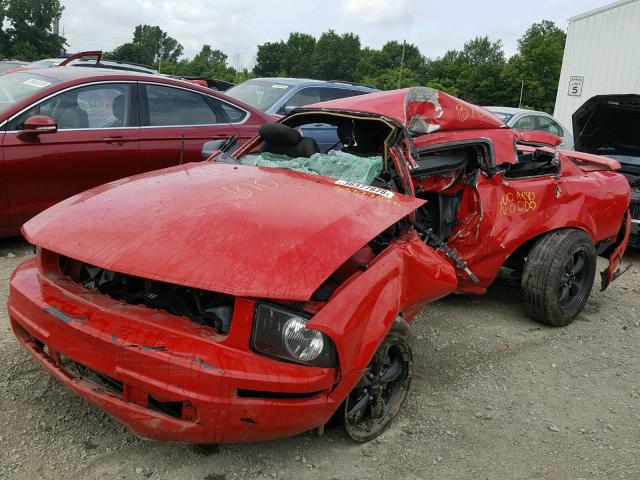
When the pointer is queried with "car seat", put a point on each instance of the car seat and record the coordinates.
(70, 115)
(364, 140)
(283, 140)
(118, 107)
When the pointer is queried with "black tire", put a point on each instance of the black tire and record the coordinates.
(558, 276)
(365, 419)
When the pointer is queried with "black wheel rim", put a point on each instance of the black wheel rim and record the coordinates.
(574, 280)
(377, 398)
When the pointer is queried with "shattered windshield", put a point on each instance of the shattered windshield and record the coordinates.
(260, 94)
(334, 164)
(345, 148)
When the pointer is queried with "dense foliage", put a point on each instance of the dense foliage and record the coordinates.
(26, 30)
(480, 72)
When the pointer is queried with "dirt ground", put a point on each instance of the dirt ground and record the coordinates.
(494, 396)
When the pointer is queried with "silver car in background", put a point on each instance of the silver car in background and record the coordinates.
(522, 119)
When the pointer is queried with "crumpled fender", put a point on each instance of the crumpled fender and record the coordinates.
(614, 270)
(398, 282)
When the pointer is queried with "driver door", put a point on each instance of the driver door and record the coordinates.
(97, 141)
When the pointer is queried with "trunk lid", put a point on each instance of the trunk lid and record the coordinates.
(608, 125)
(234, 229)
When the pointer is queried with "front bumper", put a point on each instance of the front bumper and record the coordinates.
(165, 377)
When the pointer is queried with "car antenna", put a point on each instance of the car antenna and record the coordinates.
(181, 150)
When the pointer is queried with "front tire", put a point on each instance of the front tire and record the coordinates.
(377, 399)
(558, 276)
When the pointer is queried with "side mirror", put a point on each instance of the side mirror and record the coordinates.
(538, 138)
(37, 125)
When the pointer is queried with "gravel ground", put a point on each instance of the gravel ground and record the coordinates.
(495, 396)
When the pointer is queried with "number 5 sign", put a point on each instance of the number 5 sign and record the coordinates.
(575, 86)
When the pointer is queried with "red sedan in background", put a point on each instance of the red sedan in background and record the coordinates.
(67, 129)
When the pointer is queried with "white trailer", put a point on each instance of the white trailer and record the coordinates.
(601, 56)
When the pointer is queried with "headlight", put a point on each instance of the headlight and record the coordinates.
(282, 334)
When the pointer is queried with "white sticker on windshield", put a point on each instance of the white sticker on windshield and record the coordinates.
(34, 82)
(278, 85)
(366, 188)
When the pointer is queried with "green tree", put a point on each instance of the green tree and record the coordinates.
(451, 90)
(382, 68)
(3, 35)
(208, 57)
(211, 63)
(170, 49)
(444, 70)
(392, 78)
(207, 63)
(298, 57)
(131, 52)
(157, 42)
(538, 64)
(476, 72)
(371, 64)
(336, 56)
(481, 80)
(30, 35)
(270, 60)
(413, 59)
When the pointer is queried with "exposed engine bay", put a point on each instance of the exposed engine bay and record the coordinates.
(203, 307)
(446, 178)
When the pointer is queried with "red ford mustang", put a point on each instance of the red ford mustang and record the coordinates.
(254, 296)
(67, 129)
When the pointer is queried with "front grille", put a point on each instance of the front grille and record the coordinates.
(78, 370)
(201, 306)
(117, 388)
(180, 409)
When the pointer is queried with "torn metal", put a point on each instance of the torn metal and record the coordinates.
(222, 302)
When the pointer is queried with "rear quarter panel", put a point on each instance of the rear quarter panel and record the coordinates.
(515, 211)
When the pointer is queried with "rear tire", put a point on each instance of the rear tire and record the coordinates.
(558, 276)
(376, 400)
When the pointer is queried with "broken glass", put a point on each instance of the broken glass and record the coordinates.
(335, 164)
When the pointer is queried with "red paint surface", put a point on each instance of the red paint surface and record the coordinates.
(450, 114)
(270, 233)
(257, 233)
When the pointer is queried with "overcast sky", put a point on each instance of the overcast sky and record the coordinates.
(236, 27)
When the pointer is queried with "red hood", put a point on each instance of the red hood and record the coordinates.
(239, 230)
(420, 109)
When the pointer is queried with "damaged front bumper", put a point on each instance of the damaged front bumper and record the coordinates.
(163, 376)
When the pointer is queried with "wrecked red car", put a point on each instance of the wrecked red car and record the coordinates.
(257, 295)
